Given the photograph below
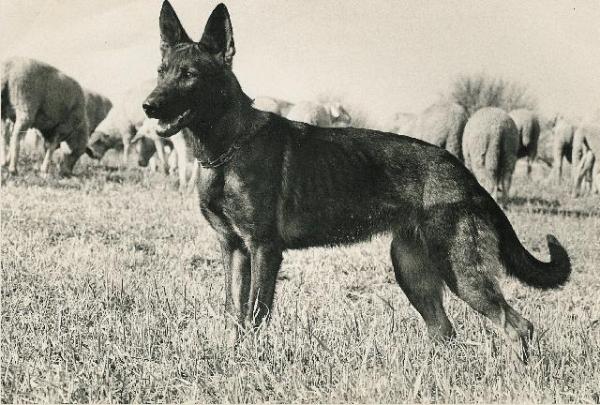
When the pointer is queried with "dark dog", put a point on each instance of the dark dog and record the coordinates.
(269, 184)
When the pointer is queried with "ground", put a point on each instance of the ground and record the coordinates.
(112, 291)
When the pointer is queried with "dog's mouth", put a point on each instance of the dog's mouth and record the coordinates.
(167, 127)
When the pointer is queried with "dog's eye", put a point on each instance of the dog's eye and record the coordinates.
(186, 74)
(161, 70)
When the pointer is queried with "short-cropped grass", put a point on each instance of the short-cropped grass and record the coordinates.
(113, 291)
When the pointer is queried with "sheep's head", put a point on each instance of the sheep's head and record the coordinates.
(339, 116)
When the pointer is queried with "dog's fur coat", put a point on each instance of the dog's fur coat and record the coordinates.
(270, 184)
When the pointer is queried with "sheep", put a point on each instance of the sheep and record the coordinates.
(562, 146)
(121, 124)
(402, 124)
(97, 107)
(545, 140)
(339, 116)
(443, 124)
(322, 115)
(270, 104)
(180, 142)
(588, 137)
(490, 144)
(37, 95)
(528, 127)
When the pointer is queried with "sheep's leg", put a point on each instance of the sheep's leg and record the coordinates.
(160, 151)
(582, 172)
(182, 162)
(125, 153)
(194, 178)
(36, 142)
(22, 124)
(127, 136)
(180, 149)
(172, 161)
(506, 183)
(4, 137)
(49, 148)
(529, 161)
(152, 164)
(557, 162)
(596, 178)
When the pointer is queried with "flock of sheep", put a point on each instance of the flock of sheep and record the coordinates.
(37, 96)
(491, 140)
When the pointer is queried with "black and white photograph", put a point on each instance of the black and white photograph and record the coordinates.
(300, 201)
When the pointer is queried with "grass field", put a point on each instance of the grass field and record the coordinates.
(112, 291)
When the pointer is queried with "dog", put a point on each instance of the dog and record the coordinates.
(269, 184)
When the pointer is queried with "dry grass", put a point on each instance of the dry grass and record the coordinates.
(112, 291)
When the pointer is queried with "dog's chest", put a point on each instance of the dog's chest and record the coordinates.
(230, 204)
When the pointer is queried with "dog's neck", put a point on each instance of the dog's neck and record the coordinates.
(237, 122)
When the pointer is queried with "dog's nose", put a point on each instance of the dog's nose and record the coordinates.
(150, 109)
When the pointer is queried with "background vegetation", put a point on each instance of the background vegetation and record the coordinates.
(480, 90)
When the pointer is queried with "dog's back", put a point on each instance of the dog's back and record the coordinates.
(340, 185)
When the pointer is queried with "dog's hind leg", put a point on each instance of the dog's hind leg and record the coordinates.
(422, 284)
(473, 263)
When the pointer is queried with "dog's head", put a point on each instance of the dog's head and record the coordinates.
(194, 78)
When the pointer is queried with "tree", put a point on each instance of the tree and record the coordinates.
(481, 90)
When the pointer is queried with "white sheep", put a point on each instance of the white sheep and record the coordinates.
(490, 144)
(528, 127)
(322, 115)
(37, 95)
(588, 137)
(274, 105)
(182, 147)
(122, 122)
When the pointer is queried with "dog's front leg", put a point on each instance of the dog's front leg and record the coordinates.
(236, 260)
(266, 261)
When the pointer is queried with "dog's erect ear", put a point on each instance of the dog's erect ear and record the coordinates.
(218, 35)
(171, 30)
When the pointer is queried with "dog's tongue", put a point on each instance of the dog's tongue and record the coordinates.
(172, 126)
(166, 128)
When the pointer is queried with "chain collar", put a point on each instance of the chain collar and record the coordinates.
(221, 159)
(225, 156)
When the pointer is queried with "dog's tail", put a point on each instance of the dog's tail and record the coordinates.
(523, 265)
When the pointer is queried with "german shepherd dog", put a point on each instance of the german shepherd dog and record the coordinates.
(270, 184)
